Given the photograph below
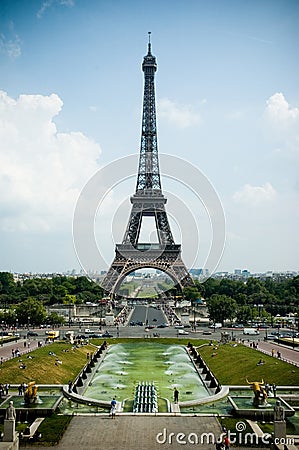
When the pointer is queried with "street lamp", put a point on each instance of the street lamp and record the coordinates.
(28, 322)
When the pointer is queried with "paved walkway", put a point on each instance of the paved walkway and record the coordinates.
(138, 433)
(287, 354)
(6, 349)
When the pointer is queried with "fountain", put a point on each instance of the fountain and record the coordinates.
(166, 366)
(145, 398)
(30, 395)
(260, 394)
(261, 406)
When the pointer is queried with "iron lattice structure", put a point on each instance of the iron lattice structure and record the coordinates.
(148, 200)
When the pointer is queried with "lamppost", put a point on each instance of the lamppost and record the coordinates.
(28, 325)
(260, 309)
(2, 333)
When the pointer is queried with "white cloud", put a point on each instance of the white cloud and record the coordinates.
(182, 116)
(281, 125)
(48, 3)
(10, 46)
(255, 195)
(279, 110)
(41, 170)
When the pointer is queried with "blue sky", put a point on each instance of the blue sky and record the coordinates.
(227, 101)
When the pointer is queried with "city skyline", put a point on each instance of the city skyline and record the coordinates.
(71, 91)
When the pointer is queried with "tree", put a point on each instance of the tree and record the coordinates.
(244, 314)
(7, 283)
(221, 308)
(55, 319)
(31, 311)
(191, 293)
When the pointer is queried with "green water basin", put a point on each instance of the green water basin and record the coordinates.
(43, 402)
(167, 366)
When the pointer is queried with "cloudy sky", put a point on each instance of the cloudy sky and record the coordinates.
(71, 90)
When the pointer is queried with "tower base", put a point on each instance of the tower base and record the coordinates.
(129, 258)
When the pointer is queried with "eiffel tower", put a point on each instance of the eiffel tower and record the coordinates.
(148, 201)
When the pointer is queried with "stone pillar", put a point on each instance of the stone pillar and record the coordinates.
(280, 429)
(279, 422)
(9, 430)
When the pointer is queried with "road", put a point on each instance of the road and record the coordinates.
(148, 315)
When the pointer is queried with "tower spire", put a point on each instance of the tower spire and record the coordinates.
(149, 42)
(148, 172)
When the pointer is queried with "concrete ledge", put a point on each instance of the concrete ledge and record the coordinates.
(256, 429)
(33, 427)
(10, 445)
(210, 398)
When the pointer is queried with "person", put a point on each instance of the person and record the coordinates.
(226, 442)
(219, 446)
(10, 413)
(176, 395)
(113, 408)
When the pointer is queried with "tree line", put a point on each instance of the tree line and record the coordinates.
(247, 301)
(226, 299)
(25, 302)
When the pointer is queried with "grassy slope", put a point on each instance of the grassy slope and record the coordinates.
(42, 369)
(232, 365)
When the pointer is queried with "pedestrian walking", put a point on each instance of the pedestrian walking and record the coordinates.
(176, 395)
(113, 408)
(226, 442)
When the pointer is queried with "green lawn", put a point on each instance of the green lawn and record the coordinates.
(42, 368)
(232, 365)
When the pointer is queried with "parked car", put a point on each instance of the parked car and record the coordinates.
(250, 331)
(216, 325)
(32, 334)
(270, 337)
(107, 335)
(180, 331)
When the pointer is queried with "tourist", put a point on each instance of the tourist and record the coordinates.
(226, 442)
(113, 408)
(176, 395)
